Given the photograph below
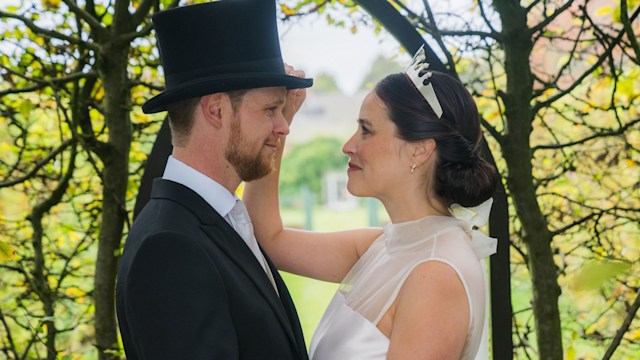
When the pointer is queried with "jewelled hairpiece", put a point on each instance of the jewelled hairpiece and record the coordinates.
(417, 72)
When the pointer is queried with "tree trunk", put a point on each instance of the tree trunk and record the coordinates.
(518, 44)
(112, 66)
(39, 280)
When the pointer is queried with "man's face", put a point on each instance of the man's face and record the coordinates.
(256, 129)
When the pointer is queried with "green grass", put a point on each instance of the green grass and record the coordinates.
(310, 296)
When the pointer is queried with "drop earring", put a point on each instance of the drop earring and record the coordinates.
(413, 168)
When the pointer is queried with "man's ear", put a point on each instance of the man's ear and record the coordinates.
(423, 151)
(211, 106)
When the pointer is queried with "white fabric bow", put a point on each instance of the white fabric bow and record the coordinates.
(475, 217)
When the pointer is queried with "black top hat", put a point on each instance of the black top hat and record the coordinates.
(219, 46)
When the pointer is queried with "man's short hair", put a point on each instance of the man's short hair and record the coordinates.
(181, 115)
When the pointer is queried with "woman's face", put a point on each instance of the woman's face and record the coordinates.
(378, 159)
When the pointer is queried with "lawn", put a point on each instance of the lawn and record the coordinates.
(312, 296)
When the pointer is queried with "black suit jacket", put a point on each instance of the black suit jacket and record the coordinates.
(190, 288)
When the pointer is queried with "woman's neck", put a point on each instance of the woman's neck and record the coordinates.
(413, 208)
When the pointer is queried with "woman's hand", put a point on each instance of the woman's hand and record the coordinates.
(295, 97)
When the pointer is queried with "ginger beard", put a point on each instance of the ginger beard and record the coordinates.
(249, 165)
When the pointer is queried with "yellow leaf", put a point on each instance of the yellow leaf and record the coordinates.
(51, 3)
(75, 292)
(287, 10)
(74, 236)
(605, 10)
(634, 335)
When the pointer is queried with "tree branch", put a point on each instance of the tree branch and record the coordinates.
(492, 130)
(619, 131)
(465, 33)
(128, 37)
(631, 314)
(537, 106)
(548, 19)
(141, 12)
(626, 24)
(439, 40)
(38, 165)
(134, 83)
(48, 33)
(576, 223)
(94, 23)
(7, 329)
(483, 14)
(44, 83)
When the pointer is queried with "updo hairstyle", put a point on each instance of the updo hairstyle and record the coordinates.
(462, 176)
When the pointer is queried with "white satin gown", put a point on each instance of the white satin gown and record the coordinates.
(347, 330)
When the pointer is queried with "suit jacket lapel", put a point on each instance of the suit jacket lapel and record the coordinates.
(289, 307)
(228, 240)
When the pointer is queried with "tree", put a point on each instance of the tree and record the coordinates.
(75, 74)
(324, 82)
(380, 68)
(307, 163)
(556, 83)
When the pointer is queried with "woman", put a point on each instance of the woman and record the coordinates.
(415, 289)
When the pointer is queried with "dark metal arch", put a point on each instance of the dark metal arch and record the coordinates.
(500, 272)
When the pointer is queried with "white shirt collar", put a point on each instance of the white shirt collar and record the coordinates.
(216, 195)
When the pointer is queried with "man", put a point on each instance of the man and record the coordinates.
(193, 282)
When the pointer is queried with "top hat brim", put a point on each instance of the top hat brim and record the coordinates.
(216, 84)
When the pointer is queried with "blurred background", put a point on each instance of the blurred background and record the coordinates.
(557, 85)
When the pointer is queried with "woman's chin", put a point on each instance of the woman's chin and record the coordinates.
(355, 190)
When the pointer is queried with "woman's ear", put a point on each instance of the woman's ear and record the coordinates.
(211, 106)
(423, 151)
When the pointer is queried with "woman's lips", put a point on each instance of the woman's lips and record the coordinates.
(353, 167)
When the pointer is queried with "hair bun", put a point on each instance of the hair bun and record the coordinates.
(467, 183)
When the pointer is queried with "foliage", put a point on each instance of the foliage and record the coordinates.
(380, 68)
(324, 82)
(557, 85)
(307, 163)
(73, 142)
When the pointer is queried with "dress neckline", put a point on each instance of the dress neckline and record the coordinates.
(407, 234)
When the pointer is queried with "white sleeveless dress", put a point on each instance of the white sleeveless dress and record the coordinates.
(347, 330)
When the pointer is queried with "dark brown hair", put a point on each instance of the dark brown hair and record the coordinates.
(462, 176)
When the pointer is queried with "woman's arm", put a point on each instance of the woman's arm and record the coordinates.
(323, 256)
(431, 315)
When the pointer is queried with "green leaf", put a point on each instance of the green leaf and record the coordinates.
(6, 251)
(595, 273)
(25, 109)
